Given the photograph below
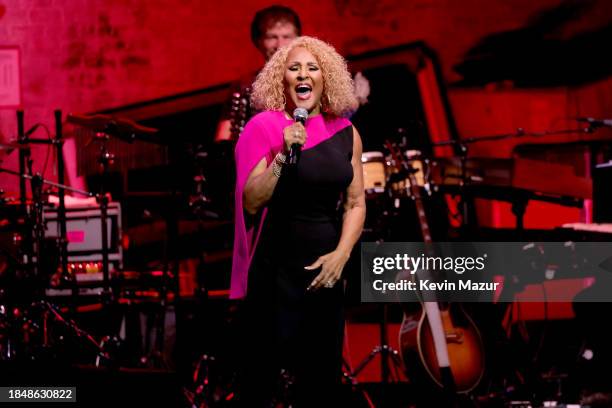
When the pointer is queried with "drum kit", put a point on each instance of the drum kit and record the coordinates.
(389, 195)
(32, 327)
(388, 188)
(380, 174)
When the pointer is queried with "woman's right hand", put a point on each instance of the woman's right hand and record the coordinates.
(294, 133)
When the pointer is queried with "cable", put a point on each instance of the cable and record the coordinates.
(49, 147)
(33, 130)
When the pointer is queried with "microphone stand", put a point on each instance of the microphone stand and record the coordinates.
(62, 241)
(38, 232)
(104, 160)
(27, 176)
(24, 157)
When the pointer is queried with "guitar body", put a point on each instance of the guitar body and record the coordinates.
(464, 345)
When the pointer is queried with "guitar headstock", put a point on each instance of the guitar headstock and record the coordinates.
(240, 110)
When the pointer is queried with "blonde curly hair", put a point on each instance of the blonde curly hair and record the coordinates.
(338, 98)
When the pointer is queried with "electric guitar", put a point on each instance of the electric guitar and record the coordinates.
(441, 338)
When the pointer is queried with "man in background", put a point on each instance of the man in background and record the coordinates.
(271, 28)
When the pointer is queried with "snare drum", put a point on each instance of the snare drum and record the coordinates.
(374, 172)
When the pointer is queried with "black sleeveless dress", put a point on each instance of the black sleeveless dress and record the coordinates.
(290, 329)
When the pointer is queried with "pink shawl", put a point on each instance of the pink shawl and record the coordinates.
(263, 137)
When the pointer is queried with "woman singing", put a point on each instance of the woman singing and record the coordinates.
(296, 225)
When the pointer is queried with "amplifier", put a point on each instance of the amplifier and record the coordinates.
(84, 235)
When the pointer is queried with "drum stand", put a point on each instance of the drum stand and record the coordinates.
(35, 241)
(35, 215)
(389, 357)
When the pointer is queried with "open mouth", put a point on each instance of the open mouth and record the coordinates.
(303, 91)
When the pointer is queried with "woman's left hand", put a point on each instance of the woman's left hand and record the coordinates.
(331, 265)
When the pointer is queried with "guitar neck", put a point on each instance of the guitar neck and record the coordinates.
(415, 191)
(420, 210)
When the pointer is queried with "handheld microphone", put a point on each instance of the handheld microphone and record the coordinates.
(299, 115)
(593, 122)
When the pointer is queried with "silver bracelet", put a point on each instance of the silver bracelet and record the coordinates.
(276, 168)
(280, 158)
(277, 164)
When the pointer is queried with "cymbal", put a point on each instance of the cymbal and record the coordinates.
(121, 128)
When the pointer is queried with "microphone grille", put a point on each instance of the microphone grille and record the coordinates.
(300, 114)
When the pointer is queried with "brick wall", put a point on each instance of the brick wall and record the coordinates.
(84, 55)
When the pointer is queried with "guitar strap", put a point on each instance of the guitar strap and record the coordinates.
(432, 312)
